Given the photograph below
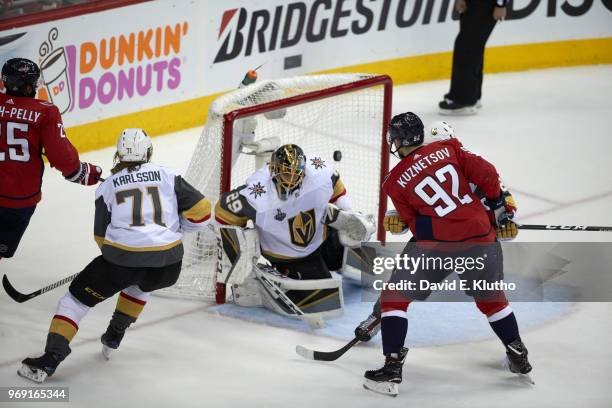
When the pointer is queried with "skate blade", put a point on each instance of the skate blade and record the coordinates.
(524, 378)
(466, 111)
(384, 388)
(106, 352)
(34, 374)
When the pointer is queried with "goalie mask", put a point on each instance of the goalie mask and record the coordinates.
(287, 169)
(134, 146)
(406, 128)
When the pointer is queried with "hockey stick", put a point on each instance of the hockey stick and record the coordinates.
(21, 297)
(564, 227)
(325, 355)
(277, 293)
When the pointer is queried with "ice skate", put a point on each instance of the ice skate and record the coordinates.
(385, 380)
(110, 341)
(37, 369)
(517, 362)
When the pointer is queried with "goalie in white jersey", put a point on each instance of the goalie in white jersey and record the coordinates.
(142, 210)
(292, 202)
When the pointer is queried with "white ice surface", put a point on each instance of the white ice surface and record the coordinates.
(548, 133)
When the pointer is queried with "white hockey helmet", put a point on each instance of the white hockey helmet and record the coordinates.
(134, 145)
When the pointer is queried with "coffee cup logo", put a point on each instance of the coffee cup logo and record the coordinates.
(54, 72)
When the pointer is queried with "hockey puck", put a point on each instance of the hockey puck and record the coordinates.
(337, 155)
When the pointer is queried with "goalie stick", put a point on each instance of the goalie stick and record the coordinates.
(313, 321)
(564, 227)
(21, 297)
(325, 355)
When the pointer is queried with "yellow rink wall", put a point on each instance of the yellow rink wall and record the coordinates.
(191, 113)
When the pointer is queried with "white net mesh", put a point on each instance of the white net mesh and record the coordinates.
(350, 122)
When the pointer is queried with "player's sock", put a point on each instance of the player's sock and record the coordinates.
(116, 329)
(393, 332)
(506, 328)
(130, 304)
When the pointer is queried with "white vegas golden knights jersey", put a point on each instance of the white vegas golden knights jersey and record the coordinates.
(141, 216)
(287, 229)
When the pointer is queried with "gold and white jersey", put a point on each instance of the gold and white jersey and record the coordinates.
(141, 216)
(291, 228)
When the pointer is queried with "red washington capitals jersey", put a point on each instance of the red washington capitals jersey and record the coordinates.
(430, 189)
(27, 126)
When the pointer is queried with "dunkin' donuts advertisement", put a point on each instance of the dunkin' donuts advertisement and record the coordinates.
(106, 71)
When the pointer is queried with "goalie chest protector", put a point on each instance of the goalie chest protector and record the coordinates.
(291, 228)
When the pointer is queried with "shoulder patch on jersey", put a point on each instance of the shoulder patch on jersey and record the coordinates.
(257, 190)
(317, 162)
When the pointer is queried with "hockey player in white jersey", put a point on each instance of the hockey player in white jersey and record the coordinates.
(142, 210)
(291, 203)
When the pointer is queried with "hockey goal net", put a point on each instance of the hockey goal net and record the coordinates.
(327, 115)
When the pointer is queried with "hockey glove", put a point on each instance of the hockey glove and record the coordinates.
(507, 232)
(502, 212)
(353, 227)
(368, 328)
(87, 174)
(393, 223)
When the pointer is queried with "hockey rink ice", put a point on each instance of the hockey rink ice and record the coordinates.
(549, 134)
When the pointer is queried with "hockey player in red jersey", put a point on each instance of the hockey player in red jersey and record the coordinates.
(29, 128)
(430, 189)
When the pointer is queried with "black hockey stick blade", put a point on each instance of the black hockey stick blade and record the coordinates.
(22, 297)
(13, 293)
(325, 355)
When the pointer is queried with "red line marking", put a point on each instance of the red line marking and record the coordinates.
(535, 196)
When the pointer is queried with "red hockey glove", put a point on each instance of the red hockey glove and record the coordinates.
(87, 174)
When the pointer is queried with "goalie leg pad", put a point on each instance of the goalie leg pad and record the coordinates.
(241, 247)
(248, 293)
(292, 297)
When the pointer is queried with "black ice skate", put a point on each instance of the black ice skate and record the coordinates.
(517, 361)
(449, 107)
(385, 379)
(110, 341)
(38, 369)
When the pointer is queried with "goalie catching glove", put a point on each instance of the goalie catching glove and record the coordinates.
(502, 212)
(353, 227)
(393, 223)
